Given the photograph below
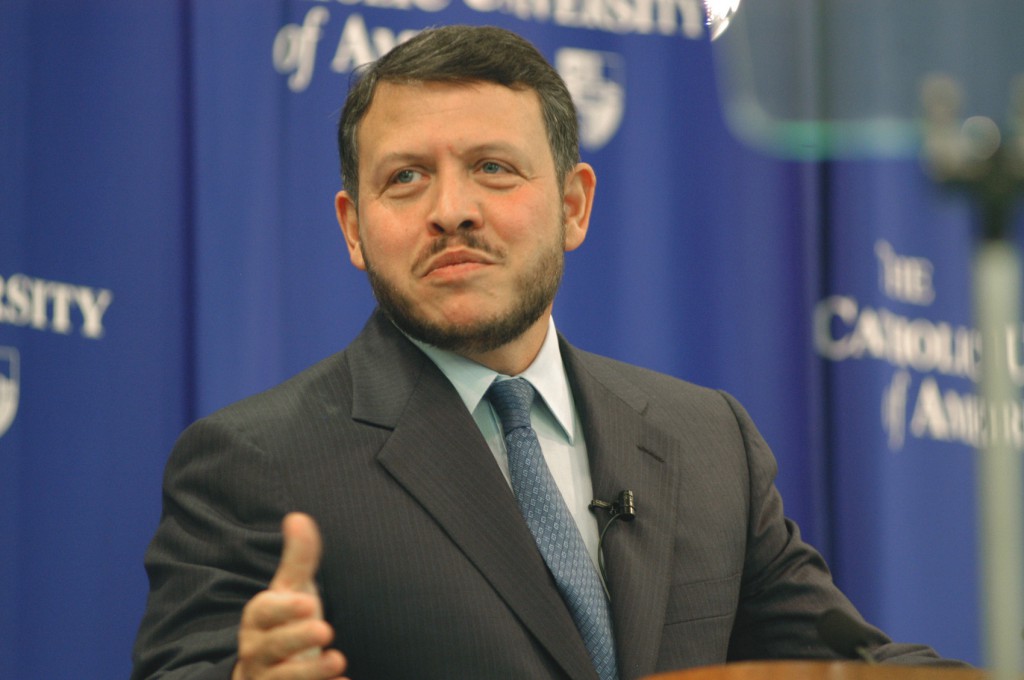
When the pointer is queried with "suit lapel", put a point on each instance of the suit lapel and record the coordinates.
(624, 454)
(437, 454)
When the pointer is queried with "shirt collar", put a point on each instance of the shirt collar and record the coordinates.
(546, 374)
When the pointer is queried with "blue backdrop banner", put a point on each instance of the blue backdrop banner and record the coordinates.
(169, 246)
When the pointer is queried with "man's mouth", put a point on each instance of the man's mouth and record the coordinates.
(462, 259)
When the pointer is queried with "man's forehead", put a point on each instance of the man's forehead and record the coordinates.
(397, 105)
(412, 89)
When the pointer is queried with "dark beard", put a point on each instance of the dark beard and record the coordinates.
(536, 287)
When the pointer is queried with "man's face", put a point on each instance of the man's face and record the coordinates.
(461, 224)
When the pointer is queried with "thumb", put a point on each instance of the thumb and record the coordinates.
(300, 557)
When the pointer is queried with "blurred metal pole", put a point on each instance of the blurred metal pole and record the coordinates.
(973, 157)
(997, 283)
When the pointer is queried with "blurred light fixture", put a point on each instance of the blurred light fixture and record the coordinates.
(719, 14)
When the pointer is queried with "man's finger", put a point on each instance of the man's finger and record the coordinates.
(299, 640)
(300, 557)
(273, 608)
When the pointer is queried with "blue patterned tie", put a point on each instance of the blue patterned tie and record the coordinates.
(547, 515)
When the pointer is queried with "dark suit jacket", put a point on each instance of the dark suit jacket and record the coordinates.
(429, 570)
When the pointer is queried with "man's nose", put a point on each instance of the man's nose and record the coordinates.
(455, 203)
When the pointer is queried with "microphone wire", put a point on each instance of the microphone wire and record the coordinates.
(623, 509)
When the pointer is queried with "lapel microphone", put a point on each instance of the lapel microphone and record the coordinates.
(624, 508)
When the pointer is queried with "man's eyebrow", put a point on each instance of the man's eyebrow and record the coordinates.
(493, 147)
(480, 149)
(392, 157)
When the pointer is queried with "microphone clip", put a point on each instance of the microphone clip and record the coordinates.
(623, 507)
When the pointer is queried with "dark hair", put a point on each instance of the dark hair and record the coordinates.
(466, 54)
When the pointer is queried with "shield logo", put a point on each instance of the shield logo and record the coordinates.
(595, 81)
(10, 383)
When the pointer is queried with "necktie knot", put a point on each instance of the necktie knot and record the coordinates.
(511, 400)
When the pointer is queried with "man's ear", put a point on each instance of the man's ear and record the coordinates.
(348, 220)
(577, 202)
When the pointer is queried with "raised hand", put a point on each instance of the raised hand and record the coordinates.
(282, 633)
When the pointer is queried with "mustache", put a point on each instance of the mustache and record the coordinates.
(466, 240)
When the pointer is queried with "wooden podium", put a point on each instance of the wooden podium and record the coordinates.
(819, 670)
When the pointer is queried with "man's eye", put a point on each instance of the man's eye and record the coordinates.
(405, 176)
(491, 168)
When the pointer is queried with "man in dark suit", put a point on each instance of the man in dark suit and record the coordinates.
(409, 553)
